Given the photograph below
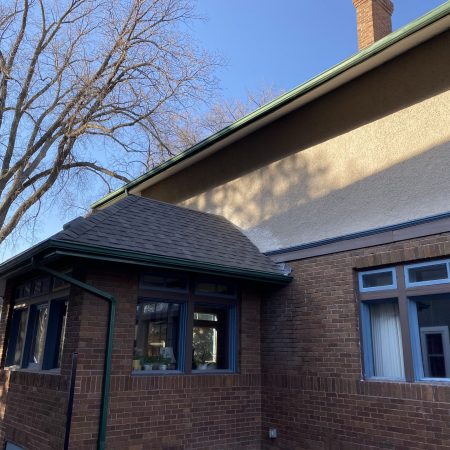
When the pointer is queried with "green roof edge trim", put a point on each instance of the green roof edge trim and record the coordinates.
(392, 38)
(69, 248)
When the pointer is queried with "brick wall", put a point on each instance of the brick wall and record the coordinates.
(313, 391)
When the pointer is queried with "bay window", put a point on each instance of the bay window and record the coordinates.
(185, 325)
(37, 328)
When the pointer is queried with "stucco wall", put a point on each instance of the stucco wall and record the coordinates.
(372, 153)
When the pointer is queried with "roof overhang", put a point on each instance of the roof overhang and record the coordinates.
(51, 249)
(393, 45)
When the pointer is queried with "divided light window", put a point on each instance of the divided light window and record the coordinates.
(427, 273)
(36, 336)
(211, 344)
(420, 309)
(383, 336)
(188, 331)
(377, 280)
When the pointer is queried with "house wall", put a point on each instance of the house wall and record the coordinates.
(313, 390)
(157, 412)
(371, 153)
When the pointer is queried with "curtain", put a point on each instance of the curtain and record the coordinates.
(386, 341)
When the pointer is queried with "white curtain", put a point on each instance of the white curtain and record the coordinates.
(386, 341)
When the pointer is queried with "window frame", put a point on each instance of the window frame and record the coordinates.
(377, 288)
(406, 295)
(187, 301)
(411, 284)
(366, 330)
(51, 341)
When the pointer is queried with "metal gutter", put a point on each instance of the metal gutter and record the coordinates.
(74, 249)
(89, 251)
(109, 344)
(282, 101)
(73, 379)
(359, 234)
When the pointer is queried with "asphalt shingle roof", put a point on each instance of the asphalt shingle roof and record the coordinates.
(143, 225)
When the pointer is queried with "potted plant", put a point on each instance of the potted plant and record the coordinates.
(201, 357)
(149, 362)
(163, 362)
(137, 363)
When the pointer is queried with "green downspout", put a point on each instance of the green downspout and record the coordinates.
(109, 343)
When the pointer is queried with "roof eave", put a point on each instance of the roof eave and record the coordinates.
(61, 248)
(273, 108)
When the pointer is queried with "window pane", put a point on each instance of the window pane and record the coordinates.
(38, 342)
(433, 314)
(59, 284)
(157, 331)
(433, 272)
(206, 287)
(386, 340)
(210, 338)
(20, 337)
(62, 333)
(164, 282)
(377, 279)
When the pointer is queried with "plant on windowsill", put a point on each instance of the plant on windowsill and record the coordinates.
(155, 362)
(201, 358)
(137, 364)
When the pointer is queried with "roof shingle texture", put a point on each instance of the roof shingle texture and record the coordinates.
(152, 227)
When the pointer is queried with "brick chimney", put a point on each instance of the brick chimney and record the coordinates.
(373, 18)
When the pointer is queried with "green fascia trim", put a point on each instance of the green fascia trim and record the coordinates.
(358, 58)
(123, 256)
(89, 251)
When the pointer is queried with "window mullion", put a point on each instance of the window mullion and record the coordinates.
(188, 334)
(404, 324)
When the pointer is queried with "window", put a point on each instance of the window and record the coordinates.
(157, 336)
(211, 345)
(376, 280)
(420, 309)
(430, 317)
(427, 273)
(36, 335)
(207, 287)
(11, 446)
(164, 282)
(37, 325)
(181, 326)
(17, 337)
(384, 352)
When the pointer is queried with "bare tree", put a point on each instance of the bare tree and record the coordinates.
(223, 112)
(89, 86)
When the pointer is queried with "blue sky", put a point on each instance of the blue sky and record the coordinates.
(283, 43)
(268, 43)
